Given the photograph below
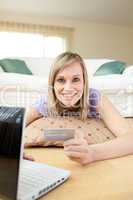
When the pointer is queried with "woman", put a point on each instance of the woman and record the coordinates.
(68, 94)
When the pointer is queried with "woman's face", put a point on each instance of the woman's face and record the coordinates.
(68, 85)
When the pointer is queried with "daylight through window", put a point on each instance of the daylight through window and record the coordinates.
(15, 44)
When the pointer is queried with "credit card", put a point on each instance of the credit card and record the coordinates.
(59, 134)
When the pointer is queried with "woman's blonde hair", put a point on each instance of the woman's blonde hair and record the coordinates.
(59, 63)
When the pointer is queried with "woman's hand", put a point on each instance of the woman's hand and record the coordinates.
(78, 150)
(28, 157)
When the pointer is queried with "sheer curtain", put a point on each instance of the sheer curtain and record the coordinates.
(31, 40)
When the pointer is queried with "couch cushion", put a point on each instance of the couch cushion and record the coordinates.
(115, 67)
(9, 80)
(15, 66)
(39, 66)
(93, 64)
(21, 89)
(111, 82)
(128, 71)
(1, 69)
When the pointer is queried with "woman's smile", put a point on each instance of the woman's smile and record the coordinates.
(68, 96)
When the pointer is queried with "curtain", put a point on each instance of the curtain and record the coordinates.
(46, 30)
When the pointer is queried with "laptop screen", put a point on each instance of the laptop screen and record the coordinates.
(11, 124)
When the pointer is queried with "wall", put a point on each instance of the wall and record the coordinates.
(91, 40)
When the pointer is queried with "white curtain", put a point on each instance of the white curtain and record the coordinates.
(45, 30)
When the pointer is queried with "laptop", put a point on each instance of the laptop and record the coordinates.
(22, 179)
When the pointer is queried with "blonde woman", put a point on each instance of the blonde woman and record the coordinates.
(68, 94)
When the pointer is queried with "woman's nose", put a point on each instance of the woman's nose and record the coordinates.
(68, 85)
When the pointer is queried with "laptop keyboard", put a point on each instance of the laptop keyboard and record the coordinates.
(38, 179)
(8, 113)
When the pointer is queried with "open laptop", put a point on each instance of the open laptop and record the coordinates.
(22, 179)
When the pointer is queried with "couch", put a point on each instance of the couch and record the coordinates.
(23, 90)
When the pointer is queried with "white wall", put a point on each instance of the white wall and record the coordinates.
(91, 40)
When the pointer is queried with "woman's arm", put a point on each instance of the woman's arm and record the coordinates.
(32, 115)
(118, 147)
(112, 118)
(79, 150)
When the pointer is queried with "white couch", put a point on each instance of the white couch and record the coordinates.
(23, 90)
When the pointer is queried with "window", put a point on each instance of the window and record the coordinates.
(15, 44)
(53, 46)
(33, 40)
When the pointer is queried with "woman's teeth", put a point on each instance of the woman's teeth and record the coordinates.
(68, 95)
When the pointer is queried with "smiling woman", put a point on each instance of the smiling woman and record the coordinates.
(68, 85)
(69, 95)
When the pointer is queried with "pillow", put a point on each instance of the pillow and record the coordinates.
(128, 71)
(34, 132)
(15, 66)
(93, 64)
(1, 69)
(115, 67)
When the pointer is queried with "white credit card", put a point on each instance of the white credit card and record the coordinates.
(59, 134)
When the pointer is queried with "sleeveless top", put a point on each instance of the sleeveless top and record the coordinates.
(94, 97)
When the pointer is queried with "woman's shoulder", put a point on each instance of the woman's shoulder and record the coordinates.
(41, 104)
(43, 99)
